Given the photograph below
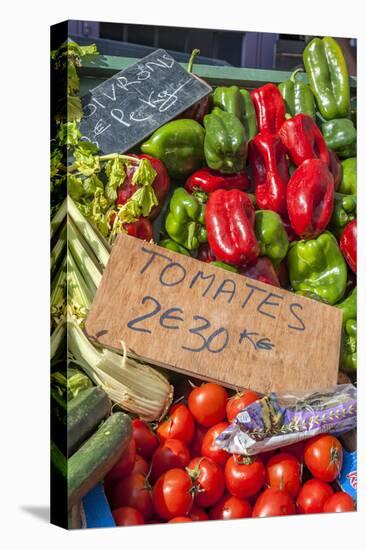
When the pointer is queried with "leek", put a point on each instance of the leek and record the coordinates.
(88, 266)
(133, 385)
(58, 218)
(58, 339)
(88, 232)
(58, 294)
(59, 250)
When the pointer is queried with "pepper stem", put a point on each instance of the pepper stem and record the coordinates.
(293, 76)
(194, 54)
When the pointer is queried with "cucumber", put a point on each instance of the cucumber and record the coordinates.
(97, 456)
(84, 414)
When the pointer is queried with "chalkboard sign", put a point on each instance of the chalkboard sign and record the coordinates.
(203, 321)
(132, 104)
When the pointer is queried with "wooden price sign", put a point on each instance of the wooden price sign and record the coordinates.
(206, 322)
(132, 104)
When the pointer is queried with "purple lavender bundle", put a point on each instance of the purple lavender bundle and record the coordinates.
(277, 420)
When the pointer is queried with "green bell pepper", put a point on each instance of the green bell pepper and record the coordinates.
(271, 235)
(249, 119)
(327, 72)
(344, 211)
(179, 145)
(239, 103)
(297, 96)
(349, 306)
(348, 151)
(185, 222)
(225, 146)
(348, 357)
(339, 133)
(317, 266)
(174, 246)
(228, 267)
(348, 183)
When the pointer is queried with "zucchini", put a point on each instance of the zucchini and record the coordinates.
(90, 464)
(74, 421)
(84, 414)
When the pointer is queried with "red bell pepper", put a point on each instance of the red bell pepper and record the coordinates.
(269, 107)
(208, 180)
(161, 184)
(142, 229)
(303, 139)
(335, 168)
(267, 159)
(262, 270)
(310, 198)
(229, 222)
(205, 254)
(348, 244)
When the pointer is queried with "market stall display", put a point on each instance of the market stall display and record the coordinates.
(259, 182)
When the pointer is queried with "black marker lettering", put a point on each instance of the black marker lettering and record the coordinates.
(267, 301)
(253, 289)
(150, 260)
(246, 335)
(296, 327)
(167, 315)
(206, 324)
(265, 344)
(201, 275)
(131, 324)
(177, 281)
(223, 290)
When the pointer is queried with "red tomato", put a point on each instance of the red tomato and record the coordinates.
(196, 443)
(207, 403)
(146, 441)
(208, 480)
(284, 472)
(124, 465)
(127, 516)
(209, 447)
(173, 494)
(296, 449)
(180, 519)
(140, 466)
(173, 453)
(178, 425)
(312, 496)
(339, 502)
(198, 514)
(133, 491)
(266, 456)
(323, 456)
(244, 476)
(230, 507)
(238, 402)
(273, 502)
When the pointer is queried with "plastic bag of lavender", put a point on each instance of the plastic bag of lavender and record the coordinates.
(277, 420)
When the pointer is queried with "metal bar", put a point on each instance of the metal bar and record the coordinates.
(105, 66)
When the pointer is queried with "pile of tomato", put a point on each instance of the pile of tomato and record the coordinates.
(174, 472)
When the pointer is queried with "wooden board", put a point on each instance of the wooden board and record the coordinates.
(204, 321)
(133, 103)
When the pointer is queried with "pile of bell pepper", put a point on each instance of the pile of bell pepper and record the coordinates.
(263, 183)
